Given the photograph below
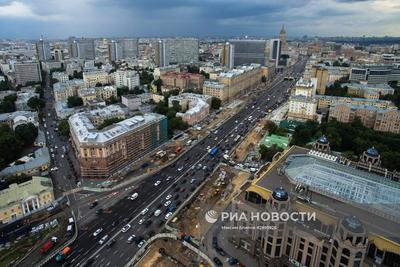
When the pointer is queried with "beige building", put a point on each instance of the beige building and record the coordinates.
(103, 153)
(303, 104)
(20, 200)
(322, 76)
(235, 81)
(97, 93)
(384, 120)
(325, 101)
(339, 228)
(182, 80)
(195, 107)
(162, 70)
(92, 78)
(63, 90)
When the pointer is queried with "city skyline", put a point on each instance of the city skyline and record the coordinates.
(30, 19)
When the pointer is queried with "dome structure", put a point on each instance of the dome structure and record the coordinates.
(322, 144)
(371, 157)
(373, 152)
(280, 194)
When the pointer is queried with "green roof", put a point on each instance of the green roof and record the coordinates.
(279, 141)
(290, 124)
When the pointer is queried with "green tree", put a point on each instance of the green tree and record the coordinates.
(123, 90)
(159, 84)
(10, 145)
(193, 69)
(36, 103)
(112, 100)
(263, 79)
(74, 101)
(39, 90)
(8, 104)
(215, 103)
(205, 74)
(108, 122)
(4, 86)
(63, 127)
(26, 133)
(267, 153)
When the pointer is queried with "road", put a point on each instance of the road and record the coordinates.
(177, 180)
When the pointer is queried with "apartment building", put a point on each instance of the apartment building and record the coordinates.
(60, 76)
(195, 107)
(128, 78)
(303, 104)
(216, 89)
(93, 78)
(28, 71)
(325, 101)
(354, 221)
(376, 73)
(13, 119)
(366, 90)
(102, 153)
(20, 200)
(162, 70)
(101, 93)
(177, 51)
(182, 80)
(63, 90)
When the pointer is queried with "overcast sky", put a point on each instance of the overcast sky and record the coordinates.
(118, 18)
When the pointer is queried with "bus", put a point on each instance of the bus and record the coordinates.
(213, 151)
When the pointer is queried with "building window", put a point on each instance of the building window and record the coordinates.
(277, 251)
(299, 256)
(344, 260)
(269, 247)
(301, 246)
(346, 252)
(287, 253)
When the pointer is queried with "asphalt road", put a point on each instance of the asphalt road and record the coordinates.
(179, 186)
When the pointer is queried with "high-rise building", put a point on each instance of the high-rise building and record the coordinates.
(177, 51)
(43, 50)
(85, 48)
(28, 71)
(303, 105)
(247, 52)
(282, 39)
(72, 47)
(226, 56)
(275, 50)
(322, 75)
(376, 73)
(123, 48)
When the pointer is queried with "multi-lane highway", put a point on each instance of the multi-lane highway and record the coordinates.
(176, 182)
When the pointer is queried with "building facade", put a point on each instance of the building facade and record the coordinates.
(194, 107)
(128, 78)
(177, 51)
(102, 153)
(43, 50)
(376, 73)
(63, 90)
(20, 200)
(246, 52)
(303, 104)
(60, 76)
(93, 78)
(182, 80)
(27, 72)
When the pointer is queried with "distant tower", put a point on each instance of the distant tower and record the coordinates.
(322, 144)
(282, 38)
(371, 156)
(226, 56)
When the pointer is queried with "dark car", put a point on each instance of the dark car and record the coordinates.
(183, 181)
(89, 262)
(183, 189)
(233, 261)
(138, 239)
(99, 211)
(220, 251)
(215, 242)
(93, 204)
(217, 261)
(110, 243)
(176, 197)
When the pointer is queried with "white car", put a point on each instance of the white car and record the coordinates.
(157, 183)
(169, 178)
(98, 231)
(168, 215)
(144, 211)
(180, 168)
(168, 197)
(166, 204)
(134, 196)
(192, 181)
(103, 239)
(141, 221)
(126, 228)
(54, 169)
(157, 213)
(141, 244)
(130, 239)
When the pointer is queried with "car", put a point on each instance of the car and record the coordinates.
(168, 197)
(89, 262)
(93, 204)
(168, 215)
(180, 168)
(144, 211)
(232, 261)
(176, 197)
(157, 183)
(99, 211)
(127, 219)
(141, 243)
(126, 228)
(183, 189)
(183, 181)
(134, 196)
(141, 221)
(111, 243)
(98, 231)
(192, 181)
(131, 239)
(169, 178)
(215, 242)
(166, 204)
(103, 239)
(220, 251)
(217, 261)
(157, 213)
(54, 168)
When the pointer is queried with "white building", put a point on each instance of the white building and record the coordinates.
(195, 107)
(63, 90)
(27, 72)
(60, 76)
(92, 78)
(22, 100)
(132, 102)
(129, 78)
(16, 118)
(303, 104)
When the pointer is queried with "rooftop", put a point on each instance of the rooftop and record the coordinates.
(239, 70)
(41, 157)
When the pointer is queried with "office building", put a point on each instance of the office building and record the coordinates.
(303, 104)
(322, 75)
(235, 81)
(81, 48)
(102, 153)
(128, 78)
(356, 214)
(283, 41)
(375, 73)
(58, 54)
(132, 102)
(162, 70)
(28, 71)
(123, 49)
(94, 78)
(63, 90)
(194, 107)
(275, 50)
(182, 80)
(366, 90)
(43, 50)
(177, 51)
(247, 52)
(325, 101)
(20, 200)
(226, 56)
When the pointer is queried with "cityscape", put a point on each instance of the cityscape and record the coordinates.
(200, 133)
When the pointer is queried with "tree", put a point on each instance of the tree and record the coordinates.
(267, 153)
(74, 101)
(4, 86)
(39, 90)
(123, 90)
(8, 104)
(108, 122)
(215, 103)
(26, 133)
(193, 69)
(205, 74)
(10, 145)
(36, 103)
(159, 84)
(263, 79)
(145, 77)
(63, 127)
(112, 100)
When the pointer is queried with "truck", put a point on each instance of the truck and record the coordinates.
(213, 151)
(63, 254)
(48, 245)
